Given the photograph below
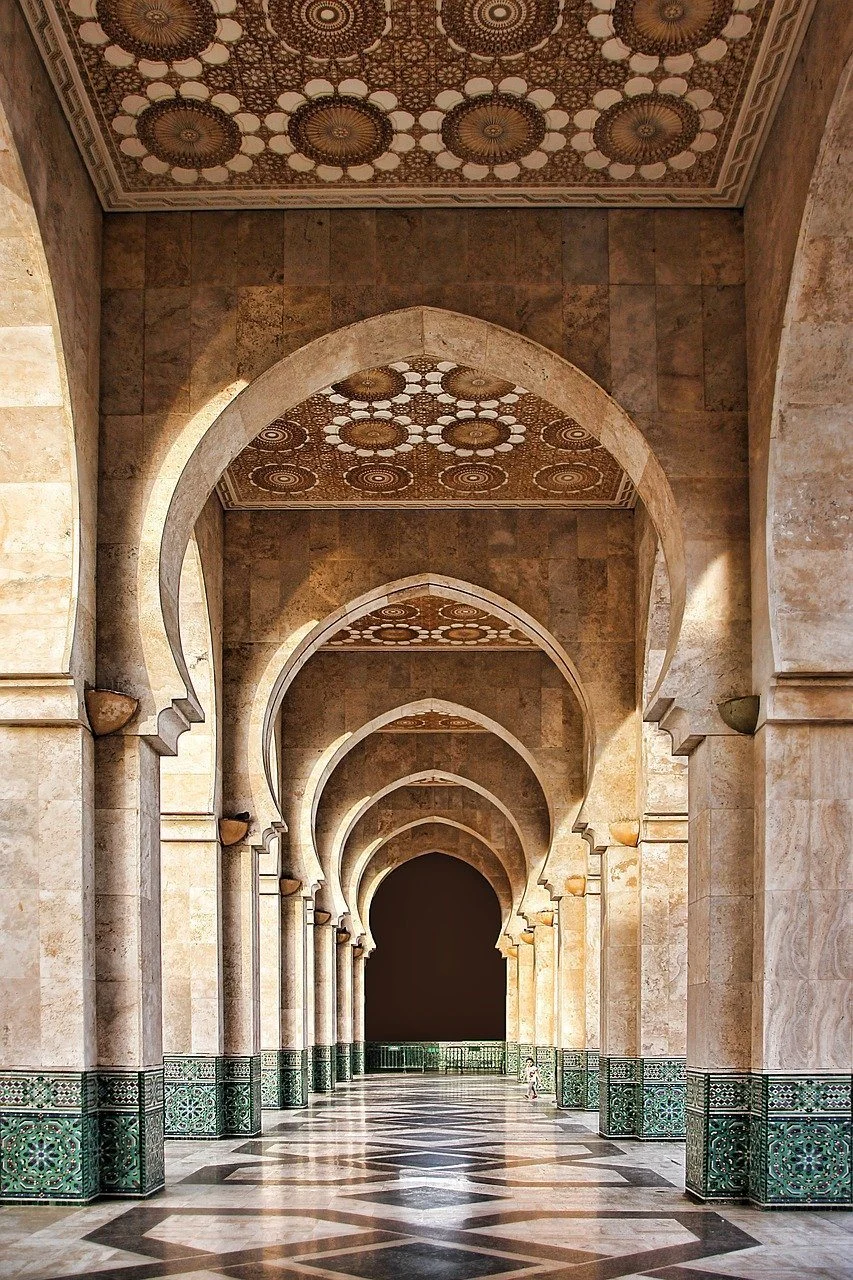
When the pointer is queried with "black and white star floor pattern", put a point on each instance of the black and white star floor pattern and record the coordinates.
(424, 1178)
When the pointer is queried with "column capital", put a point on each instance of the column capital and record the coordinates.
(321, 917)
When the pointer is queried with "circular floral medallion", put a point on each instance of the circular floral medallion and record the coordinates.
(379, 478)
(277, 477)
(494, 129)
(476, 433)
(372, 384)
(565, 433)
(473, 477)
(454, 722)
(572, 478)
(373, 434)
(189, 133)
(470, 384)
(340, 131)
(498, 28)
(281, 436)
(669, 27)
(462, 612)
(394, 635)
(648, 128)
(409, 722)
(461, 634)
(328, 28)
(169, 30)
(396, 612)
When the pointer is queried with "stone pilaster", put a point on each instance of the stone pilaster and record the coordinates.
(323, 1059)
(358, 1053)
(343, 1006)
(526, 1001)
(570, 1085)
(618, 1062)
(241, 1070)
(285, 1065)
(511, 958)
(544, 956)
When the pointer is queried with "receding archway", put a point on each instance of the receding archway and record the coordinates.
(435, 974)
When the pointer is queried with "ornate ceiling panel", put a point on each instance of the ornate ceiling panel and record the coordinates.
(433, 722)
(218, 103)
(424, 432)
(430, 622)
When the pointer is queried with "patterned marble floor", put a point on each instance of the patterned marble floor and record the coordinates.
(421, 1178)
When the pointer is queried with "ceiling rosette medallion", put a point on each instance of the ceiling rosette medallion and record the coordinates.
(159, 36)
(432, 621)
(493, 130)
(674, 32)
(337, 130)
(498, 28)
(646, 128)
(324, 29)
(186, 136)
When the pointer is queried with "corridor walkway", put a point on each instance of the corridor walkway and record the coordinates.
(422, 1178)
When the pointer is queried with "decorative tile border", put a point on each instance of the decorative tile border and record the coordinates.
(642, 1097)
(193, 1096)
(717, 1123)
(241, 1075)
(322, 1069)
(618, 1080)
(49, 1137)
(546, 1062)
(511, 1058)
(800, 1140)
(577, 1079)
(343, 1061)
(130, 1132)
(593, 1080)
(358, 1058)
(284, 1079)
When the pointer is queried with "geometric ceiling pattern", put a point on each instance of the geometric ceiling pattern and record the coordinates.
(432, 722)
(424, 432)
(429, 622)
(216, 103)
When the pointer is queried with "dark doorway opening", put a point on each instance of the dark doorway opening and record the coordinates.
(435, 974)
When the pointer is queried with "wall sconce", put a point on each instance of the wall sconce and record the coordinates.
(233, 830)
(322, 917)
(287, 888)
(108, 710)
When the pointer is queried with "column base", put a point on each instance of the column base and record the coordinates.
(284, 1079)
(49, 1137)
(322, 1068)
(577, 1079)
(525, 1051)
(511, 1059)
(343, 1061)
(242, 1094)
(800, 1140)
(717, 1135)
(546, 1061)
(130, 1132)
(357, 1058)
(642, 1098)
(194, 1095)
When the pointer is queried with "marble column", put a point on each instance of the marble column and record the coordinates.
(593, 987)
(359, 961)
(543, 1017)
(511, 958)
(325, 1028)
(343, 1006)
(284, 1058)
(571, 977)
(193, 999)
(48, 1082)
(620, 914)
(241, 970)
(128, 965)
(526, 1000)
(719, 965)
(800, 1096)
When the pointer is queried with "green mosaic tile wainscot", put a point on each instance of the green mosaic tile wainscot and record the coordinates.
(717, 1135)
(800, 1140)
(577, 1079)
(343, 1062)
(525, 1051)
(358, 1058)
(546, 1062)
(511, 1058)
(130, 1132)
(193, 1096)
(241, 1074)
(284, 1079)
(322, 1070)
(49, 1137)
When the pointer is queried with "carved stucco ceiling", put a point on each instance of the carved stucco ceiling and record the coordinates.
(433, 722)
(430, 622)
(218, 103)
(424, 432)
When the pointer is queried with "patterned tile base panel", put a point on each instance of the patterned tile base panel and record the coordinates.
(130, 1132)
(525, 1051)
(800, 1140)
(546, 1061)
(343, 1062)
(511, 1059)
(577, 1079)
(194, 1096)
(357, 1058)
(717, 1135)
(49, 1137)
(322, 1068)
(284, 1079)
(642, 1097)
(242, 1094)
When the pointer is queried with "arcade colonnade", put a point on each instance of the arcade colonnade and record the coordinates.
(645, 747)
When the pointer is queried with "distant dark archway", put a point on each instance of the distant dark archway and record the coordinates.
(435, 974)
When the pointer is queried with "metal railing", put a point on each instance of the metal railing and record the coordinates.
(484, 1057)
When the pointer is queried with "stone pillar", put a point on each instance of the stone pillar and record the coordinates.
(511, 1061)
(343, 1006)
(571, 1033)
(800, 1096)
(48, 1084)
(619, 991)
(526, 1000)
(593, 985)
(719, 965)
(543, 1018)
(128, 965)
(242, 1066)
(325, 1030)
(193, 1006)
(284, 1057)
(359, 961)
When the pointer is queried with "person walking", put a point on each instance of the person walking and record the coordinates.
(531, 1076)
